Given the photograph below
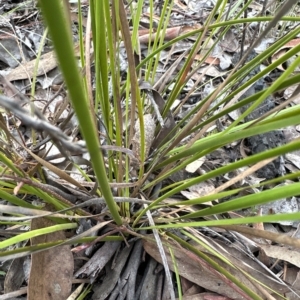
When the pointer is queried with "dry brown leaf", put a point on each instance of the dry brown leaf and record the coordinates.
(206, 296)
(190, 267)
(209, 60)
(52, 270)
(189, 288)
(291, 44)
(188, 28)
(243, 262)
(170, 34)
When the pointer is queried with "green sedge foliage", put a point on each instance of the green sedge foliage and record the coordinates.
(121, 104)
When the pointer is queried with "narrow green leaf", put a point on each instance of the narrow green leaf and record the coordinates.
(33, 233)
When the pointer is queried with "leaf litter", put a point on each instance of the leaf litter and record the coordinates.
(133, 268)
(51, 271)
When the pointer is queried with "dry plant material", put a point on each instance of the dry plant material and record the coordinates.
(268, 235)
(170, 34)
(14, 276)
(283, 50)
(149, 286)
(13, 295)
(47, 63)
(199, 190)
(123, 285)
(52, 270)
(190, 267)
(206, 296)
(103, 289)
(24, 71)
(167, 124)
(282, 253)
(99, 260)
(247, 263)
(149, 128)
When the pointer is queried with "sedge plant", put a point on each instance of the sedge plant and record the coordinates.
(141, 166)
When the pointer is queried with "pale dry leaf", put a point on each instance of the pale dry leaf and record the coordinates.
(292, 276)
(282, 253)
(76, 293)
(195, 165)
(24, 71)
(149, 128)
(288, 92)
(14, 295)
(294, 159)
(207, 46)
(61, 173)
(225, 61)
(256, 6)
(264, 44)
(278, 55)
(296, 282)
(175, 104)
(47, 62)
(229, 42)
(285, 205)
(52, 270)
(211, 71)
(199, 190)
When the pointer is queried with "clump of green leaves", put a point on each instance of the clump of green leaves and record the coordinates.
(131, 107)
